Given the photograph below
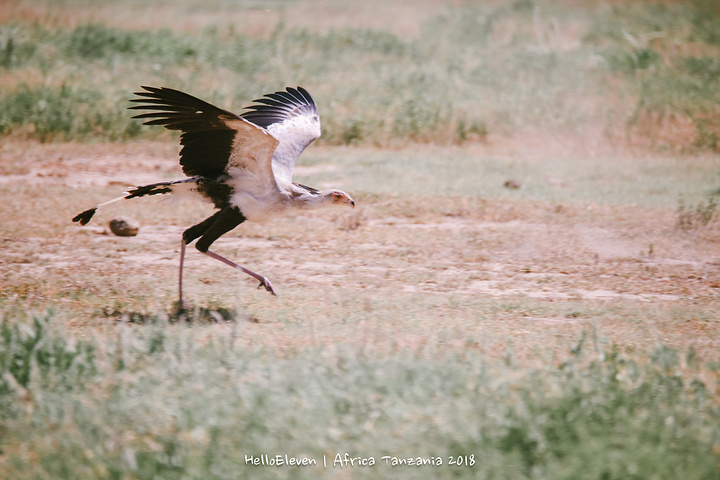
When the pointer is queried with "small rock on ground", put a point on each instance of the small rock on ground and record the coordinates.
(124, 226)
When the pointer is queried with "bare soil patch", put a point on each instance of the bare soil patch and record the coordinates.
(403, 267)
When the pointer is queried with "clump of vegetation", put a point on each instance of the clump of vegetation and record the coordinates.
(692, 218)
(185, 402)
(63, 113)
(32, 356)
(666, 53)
(450, 83)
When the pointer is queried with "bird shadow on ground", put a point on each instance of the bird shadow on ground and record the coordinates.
(190, 314)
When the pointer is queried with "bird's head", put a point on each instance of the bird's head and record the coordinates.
(338, 197)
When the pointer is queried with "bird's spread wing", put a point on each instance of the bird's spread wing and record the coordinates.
(214, 140)
(291, 117)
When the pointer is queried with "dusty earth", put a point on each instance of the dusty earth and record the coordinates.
(535, 266)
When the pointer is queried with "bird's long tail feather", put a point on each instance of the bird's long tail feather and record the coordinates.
(153, 189)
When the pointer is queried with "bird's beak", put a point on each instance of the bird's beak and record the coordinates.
(345, 201)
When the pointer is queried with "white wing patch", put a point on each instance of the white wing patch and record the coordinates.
(293, 135)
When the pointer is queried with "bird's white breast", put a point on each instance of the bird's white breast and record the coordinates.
(257, 200)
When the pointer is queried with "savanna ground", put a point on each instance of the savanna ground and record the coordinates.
(568, 328)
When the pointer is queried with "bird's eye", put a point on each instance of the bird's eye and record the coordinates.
(337, 196)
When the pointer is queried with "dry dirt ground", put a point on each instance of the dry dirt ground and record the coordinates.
(410, 272)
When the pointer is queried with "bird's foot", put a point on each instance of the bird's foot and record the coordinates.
(264, 282)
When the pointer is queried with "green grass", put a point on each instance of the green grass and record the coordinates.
(468, 72)
(668, 54)
(183, 401)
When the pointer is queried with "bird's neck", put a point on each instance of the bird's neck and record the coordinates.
(305, 200)
(309, 201)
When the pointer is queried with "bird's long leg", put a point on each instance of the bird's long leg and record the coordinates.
(264, 282)
(188, 236)
(224, 221)
(180, 274)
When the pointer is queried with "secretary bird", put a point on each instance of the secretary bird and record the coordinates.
(243, 164)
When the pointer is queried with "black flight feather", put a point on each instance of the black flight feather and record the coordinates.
(279, 106)
(85, 216)
(206, 139)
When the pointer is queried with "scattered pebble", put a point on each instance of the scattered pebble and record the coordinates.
(512, 184)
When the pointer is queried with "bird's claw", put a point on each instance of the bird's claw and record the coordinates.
(264, 282)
